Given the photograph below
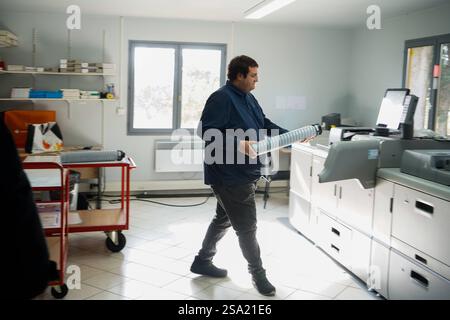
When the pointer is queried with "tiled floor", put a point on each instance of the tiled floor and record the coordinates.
(162, 242)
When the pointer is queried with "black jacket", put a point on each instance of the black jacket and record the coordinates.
(231, 109)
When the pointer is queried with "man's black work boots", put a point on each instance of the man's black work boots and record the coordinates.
(261, 283)
(207, 268)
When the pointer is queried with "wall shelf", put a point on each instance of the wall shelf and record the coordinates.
(4, 44)
(55, 99)
(56, 73)
(67, 101)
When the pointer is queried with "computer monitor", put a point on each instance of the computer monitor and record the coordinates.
(391, 108)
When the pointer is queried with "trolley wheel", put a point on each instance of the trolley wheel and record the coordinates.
(59, 292)
(116, 248)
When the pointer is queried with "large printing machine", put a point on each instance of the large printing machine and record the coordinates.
(378, 202)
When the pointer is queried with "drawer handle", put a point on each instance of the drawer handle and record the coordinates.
(334, 247)
(335, 187)
(419, 279)
(335, 231)
(340, 192)
(419, 258)
(425, 207)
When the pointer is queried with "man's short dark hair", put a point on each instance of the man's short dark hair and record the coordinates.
(240, 64)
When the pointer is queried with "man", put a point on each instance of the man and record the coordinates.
(234, 184)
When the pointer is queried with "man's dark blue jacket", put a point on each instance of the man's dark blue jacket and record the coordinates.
(231, 108)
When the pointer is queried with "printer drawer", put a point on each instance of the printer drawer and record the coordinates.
(422, 221)
(421, 258)
(334, 238)
(409, 281)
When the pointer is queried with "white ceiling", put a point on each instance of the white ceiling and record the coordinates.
(342, 13)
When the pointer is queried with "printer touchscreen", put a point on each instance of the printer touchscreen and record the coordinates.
(392, 108)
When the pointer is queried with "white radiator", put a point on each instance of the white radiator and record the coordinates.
(178, 156)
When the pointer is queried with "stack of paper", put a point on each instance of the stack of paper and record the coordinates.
(106, 68)
(15, 67)
(34, 69)
(78, 66)
(20, 92)
(49, 214)
(71, 93)
(90, 94)
(73, 65)
(74, 218)
(8, 39)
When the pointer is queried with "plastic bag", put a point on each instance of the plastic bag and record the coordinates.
(43, 138)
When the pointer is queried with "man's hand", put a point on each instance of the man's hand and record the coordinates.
(245, 148)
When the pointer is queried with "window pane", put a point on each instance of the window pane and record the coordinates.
(443, 102)
(418, 80)
(154, 72)
(200, 78)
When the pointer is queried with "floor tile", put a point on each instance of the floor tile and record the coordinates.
(131, 289)
(175, 252)
(217, 293)
(105, 280)
(146, 274)
(282, 292)
(187, 286)
(304, 295)
(161, 294)
(105, 295)
(351, 293)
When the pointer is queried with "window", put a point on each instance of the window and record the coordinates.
(169, 84)
(427, 75)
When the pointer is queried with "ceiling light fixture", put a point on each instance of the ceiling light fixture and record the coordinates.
(265, 7)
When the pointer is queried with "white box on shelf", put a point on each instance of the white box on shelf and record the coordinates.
(20, 92)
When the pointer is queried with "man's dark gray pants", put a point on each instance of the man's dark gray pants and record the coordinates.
(235, 207)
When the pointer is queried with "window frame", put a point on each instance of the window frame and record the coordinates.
(436, 42)
(178, 68)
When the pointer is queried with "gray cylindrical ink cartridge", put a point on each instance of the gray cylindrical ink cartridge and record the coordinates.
(285, 139)
(91, 156)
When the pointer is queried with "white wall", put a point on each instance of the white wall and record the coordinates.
(311, 63)
(377, 57)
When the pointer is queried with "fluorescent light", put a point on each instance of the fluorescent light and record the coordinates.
(265, 7)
